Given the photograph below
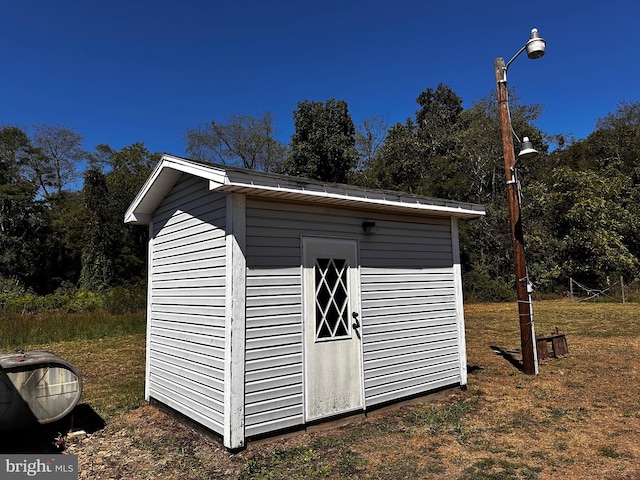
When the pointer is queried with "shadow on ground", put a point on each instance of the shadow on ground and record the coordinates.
(44, 438)
(514, 357)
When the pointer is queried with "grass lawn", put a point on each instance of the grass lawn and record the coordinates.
(108, 350)
(578, 419)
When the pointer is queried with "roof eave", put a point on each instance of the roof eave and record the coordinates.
(162, 178)
(232, 179)
(402, 204)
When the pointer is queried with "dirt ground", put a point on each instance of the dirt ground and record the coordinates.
(152, 442)
(149, 443)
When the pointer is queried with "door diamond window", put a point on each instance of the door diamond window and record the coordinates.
(332, 298)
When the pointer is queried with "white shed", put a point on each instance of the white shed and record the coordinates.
(275, 302)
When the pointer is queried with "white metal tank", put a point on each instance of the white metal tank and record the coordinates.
(36, 387)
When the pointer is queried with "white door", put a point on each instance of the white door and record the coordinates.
(333, 359)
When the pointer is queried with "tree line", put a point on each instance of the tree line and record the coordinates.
(62, 207)
(61, 213)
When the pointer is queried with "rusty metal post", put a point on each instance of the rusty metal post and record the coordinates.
(525, 308)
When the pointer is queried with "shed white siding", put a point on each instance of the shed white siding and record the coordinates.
(410, 321)
(187, 302)
(408, 306)
(273, 350)
(274, 388)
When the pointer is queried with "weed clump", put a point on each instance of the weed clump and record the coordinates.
(440, 419)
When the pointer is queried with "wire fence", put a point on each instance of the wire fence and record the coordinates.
(612, 291)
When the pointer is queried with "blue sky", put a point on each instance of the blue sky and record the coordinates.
(121, 72)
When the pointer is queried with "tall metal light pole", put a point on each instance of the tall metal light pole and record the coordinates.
(535, 49)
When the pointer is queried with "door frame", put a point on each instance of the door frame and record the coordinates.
(355, 290)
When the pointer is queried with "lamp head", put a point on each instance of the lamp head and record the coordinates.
(369, 227)
(536, 45)
(527, 151)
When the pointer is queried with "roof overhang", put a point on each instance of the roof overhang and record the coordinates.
(282, 187)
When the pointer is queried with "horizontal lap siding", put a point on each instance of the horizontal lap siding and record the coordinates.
(187, 306)
(408, 306)
(274, 370)
(410, 332)
(274, 390)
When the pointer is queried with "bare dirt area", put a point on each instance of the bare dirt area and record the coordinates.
(149, 443)
(152, 442)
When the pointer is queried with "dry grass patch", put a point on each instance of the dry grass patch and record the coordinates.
(580, 415)
(113, 372)
(578, 419)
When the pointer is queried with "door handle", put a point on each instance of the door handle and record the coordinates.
(356, 323)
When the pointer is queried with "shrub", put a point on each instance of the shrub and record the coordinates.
(16, 299)
(480, 286)
(126, 298)
(10, 291)
(84, 301)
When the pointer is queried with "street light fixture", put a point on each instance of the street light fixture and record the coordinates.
(535, 48)
(526, 150)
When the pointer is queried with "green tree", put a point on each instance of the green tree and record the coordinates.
(98, 271)
(55, 166)
(21, 214)
(594, 190)
(591, 221)
(114, 253)
(243, 139)
(450, 152)
(419, 156)
(438, 119)
(130, 168)
(66, 219)
(480, 153)
(473, 170)
(619, 137)
(323, 146)
(399, 165)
